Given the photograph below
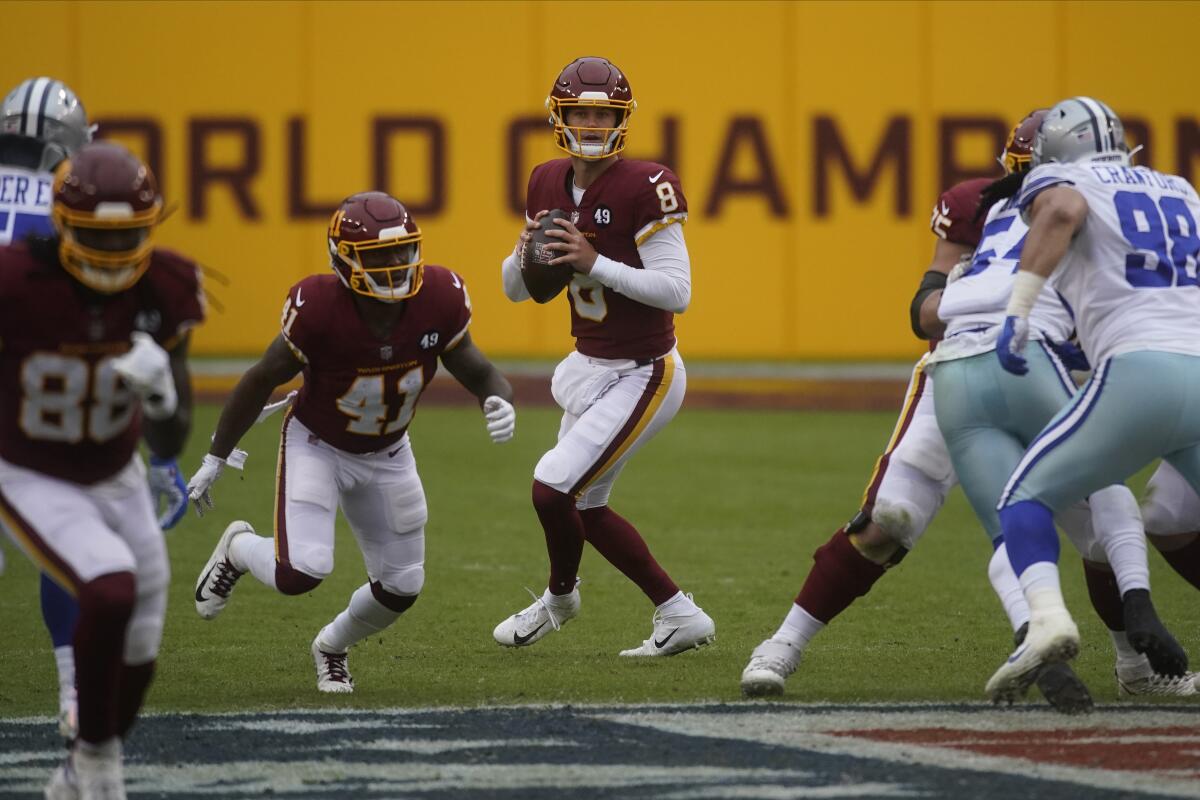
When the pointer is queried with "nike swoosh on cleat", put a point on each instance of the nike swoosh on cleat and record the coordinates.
(1016, 655)
(663, 643)
(519, 639)
(200, 598)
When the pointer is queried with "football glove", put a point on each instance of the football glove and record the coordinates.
(501, 418)
(1010, 347)
(1072, 357)
(169, 492)
(198, 487)
(146, 368)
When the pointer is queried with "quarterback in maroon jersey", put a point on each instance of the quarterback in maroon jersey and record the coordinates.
(94, 329)
(625, 379)
(368, 339)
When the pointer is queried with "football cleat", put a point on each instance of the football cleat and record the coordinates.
(68, 714)
(1052, 638)
(674, 633)
(1059, 684)
(64, 783)
(1140, 680)
(333, 674)
(1150, 637)
(770, 665)
(538, 619)
(97, 774)
(218, 577)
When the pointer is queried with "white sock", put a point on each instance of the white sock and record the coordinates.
(1008, 588)
(678, 604)
(365, 615)
(109, 748)
(64, 657)
(559, 600)
(1040, 583)
(254, 554)
(1122, 536)
(1126, 655)
(798, 627)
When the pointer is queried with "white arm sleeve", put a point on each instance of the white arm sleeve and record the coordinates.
(666, 280)
(510, 271)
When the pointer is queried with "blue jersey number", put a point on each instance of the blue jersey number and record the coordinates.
(1164, 231)
(984, 255)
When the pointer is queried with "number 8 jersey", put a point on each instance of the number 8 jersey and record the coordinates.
(360, 392)
(1130, 274)
(624, 207)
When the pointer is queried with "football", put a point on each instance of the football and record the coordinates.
(543, 279)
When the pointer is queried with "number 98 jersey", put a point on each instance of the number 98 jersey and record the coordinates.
(360, 392)
(624, 207)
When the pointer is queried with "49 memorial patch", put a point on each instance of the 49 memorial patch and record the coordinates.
(774, 752)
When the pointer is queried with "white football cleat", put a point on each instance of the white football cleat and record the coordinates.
(98, 772)
(538, 619)
(675, 632)
(64, 783)
(333, 673)
(770, 665)
(218, 577)
(68, 714)
(1052, 638)
(1140, 680)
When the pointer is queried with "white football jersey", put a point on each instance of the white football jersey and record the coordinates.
(973, 306)
(24, 203)
(1130, 273)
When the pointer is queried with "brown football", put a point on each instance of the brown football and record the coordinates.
(543, 279)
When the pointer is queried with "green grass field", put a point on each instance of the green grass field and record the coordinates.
(732, 503)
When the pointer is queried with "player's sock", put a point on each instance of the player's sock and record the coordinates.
(1007, 587)
(64, 659)
(1127, 656)
(105, 606)
(620, 543)
(254, 554)
(135, 680)
(1030, 536)
(59, 611)
(1186, 561)
(1106, 596)
(564, 535)
(839, 576)
(1040, 583)
(362, 617)
(1123, 536)
(798, 627)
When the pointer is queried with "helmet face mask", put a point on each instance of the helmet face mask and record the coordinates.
(1080, 129)
(590, 82)
(1018, 149)
(375, 247)
(106, 206)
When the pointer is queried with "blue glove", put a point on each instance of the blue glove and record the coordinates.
(1010, 347)
(168, 491)
(1072, 357)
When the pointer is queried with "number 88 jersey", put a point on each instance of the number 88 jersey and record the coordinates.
(624, 207)
(1130, 274)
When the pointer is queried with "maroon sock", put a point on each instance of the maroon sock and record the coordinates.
(135, 680)
(1186, 561)
(620, 543)
(839, 576)
(105, 605)
(564, 535)
(1106, 596)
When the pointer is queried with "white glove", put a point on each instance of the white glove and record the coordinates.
(147, 370)
(168, 490)
(501, 418)
(960, 267)
(202, 481)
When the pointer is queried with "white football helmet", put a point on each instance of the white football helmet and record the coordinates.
(1080, 129)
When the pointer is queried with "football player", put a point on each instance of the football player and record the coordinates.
(95, 324)
(625, 379)
(42, 122)
(1119, 244)
(368, 339)
(910, 481)
(989, 417)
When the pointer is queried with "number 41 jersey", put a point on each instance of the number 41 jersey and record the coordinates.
(1130, 274)
(360, 391)
(620, 210)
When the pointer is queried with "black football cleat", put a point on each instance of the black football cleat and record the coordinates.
(1149, 636)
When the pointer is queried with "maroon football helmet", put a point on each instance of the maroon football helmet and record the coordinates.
(106, 205)
(1018, 150)
(375, 247)
(590, 81)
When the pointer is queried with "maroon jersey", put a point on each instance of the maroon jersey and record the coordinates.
(954, 215)
(64, 411)
(359, 391)
(624, 207)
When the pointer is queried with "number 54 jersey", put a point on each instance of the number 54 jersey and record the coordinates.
(1130, 274)
(624, 207)
(360, 391)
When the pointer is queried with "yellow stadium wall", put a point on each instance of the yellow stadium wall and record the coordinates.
(811, 138)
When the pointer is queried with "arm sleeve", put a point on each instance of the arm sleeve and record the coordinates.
(510, 271)
(666, 280)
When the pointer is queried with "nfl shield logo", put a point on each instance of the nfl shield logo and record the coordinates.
(385, 352)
